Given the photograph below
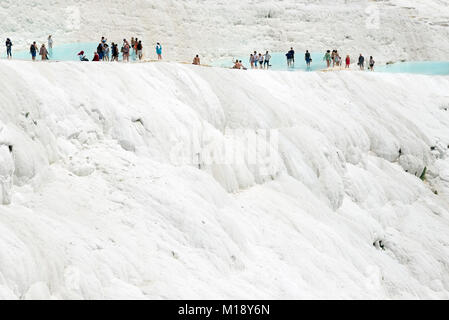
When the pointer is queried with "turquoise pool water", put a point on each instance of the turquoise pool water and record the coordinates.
(68, 52)
(65, 52)
(419, 67)
(279, 62)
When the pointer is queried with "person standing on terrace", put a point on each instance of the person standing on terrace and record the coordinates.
(8, 48)
(267, 60)
(50, 45)
(43, 53)
(196, 60)
(327, 57)
(33, 50)
(308, 59)
(159, 51)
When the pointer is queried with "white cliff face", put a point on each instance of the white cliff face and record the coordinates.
(390, 30)
(6, 173)
(6, 167)
(114, 194)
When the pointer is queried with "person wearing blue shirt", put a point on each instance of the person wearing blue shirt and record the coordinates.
(159, 51)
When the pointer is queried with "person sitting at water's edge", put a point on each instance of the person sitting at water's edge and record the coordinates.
(96, 57)
(82, 56)
(238, 65)
(196, 60)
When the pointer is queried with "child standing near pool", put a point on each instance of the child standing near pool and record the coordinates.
(348, 62)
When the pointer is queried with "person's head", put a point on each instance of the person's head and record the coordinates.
(7, 39)
(267, 52)
(43, 45)
(307, 51)
(34, 42)
(240, 61)
(360, 54)
(328, 51)
(158, 44)
(371, 57)
(49, 36)
(197, 56)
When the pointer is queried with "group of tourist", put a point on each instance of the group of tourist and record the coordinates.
(104, 52)
(43, 51)
(335, 60)
(133, 48)
(256, 60)
(332, 59)
(34, 50)
(259, 60)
